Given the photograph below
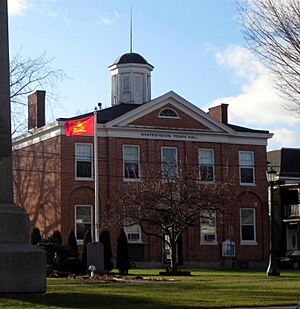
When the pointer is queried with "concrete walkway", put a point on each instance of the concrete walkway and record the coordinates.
(272, 307)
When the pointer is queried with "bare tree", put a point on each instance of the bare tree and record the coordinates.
(272, 30)
(27, 75)
(165, 208)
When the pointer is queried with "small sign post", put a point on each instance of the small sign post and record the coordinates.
(228, 248)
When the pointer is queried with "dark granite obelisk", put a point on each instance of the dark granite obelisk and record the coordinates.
(6, 193)
(22, 266)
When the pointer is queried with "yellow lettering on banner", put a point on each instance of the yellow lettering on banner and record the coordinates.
(79, 127)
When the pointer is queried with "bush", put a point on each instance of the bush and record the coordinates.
(104, 237)
(56, 238)
(73, 265)
(87, 238)
(35, 236)
(66, 258)
(122, 253)
(72, 242)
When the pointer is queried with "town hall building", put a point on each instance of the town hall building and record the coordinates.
(54, 173)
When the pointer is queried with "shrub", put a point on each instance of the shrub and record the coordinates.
(60, 258)
(122, 253)
(104, 237)
(56, 238)
(72, 242)
(35, 236)
(73, 265)
(87, 238)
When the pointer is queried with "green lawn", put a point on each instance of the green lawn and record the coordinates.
(204, 289)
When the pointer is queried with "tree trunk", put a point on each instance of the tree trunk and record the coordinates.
(173, 265)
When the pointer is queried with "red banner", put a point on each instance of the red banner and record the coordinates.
(81, 126)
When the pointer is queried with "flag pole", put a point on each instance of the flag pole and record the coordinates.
(96, 175)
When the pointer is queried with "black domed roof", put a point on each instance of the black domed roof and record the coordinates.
(131, 58)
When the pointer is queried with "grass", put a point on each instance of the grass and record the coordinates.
(204, 289)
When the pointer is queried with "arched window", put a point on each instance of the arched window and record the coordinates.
(168, 113)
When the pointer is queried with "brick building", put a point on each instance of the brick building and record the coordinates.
(54, 178)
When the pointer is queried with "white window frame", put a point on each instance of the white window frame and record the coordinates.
(138, 86)
(203, 240)
(80, 241)
(245, 241)
(91, 160)
(252, 166)
(162, 161)
(169, 117)
(125, 76)
(138, 162)
(139, 232)
(114, 89)
(201, 164)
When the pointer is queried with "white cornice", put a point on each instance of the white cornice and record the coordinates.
(125, 67)
(185, 135)
(170, 134)
(35, 136)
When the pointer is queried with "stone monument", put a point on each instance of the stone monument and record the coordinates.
(95, 256)
(22, 266)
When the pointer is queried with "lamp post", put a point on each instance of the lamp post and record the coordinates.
(272, 268)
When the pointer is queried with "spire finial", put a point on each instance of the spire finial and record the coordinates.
(130, 29)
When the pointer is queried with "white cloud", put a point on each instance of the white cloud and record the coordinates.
(241, 61)
(18, 7)
(108, 19)
(284, 137)
(258, 103)
(45, 7)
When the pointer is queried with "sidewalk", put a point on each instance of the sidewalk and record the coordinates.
(272, 307)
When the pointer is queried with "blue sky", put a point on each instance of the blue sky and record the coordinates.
(196, 47)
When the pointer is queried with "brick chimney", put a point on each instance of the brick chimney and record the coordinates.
(36, 109)
(219, 112)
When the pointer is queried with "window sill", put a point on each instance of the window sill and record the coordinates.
(84, 179)
(132, 179)
(173, 179)
(248, 243)
(208, 182)
(138, 242)
(169, 117)
(209, 243)
(247, 184)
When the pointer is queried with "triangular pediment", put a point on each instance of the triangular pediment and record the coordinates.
(190, 117)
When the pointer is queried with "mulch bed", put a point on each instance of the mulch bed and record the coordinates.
(112, 278)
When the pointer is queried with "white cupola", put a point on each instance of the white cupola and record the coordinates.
(130, 79)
